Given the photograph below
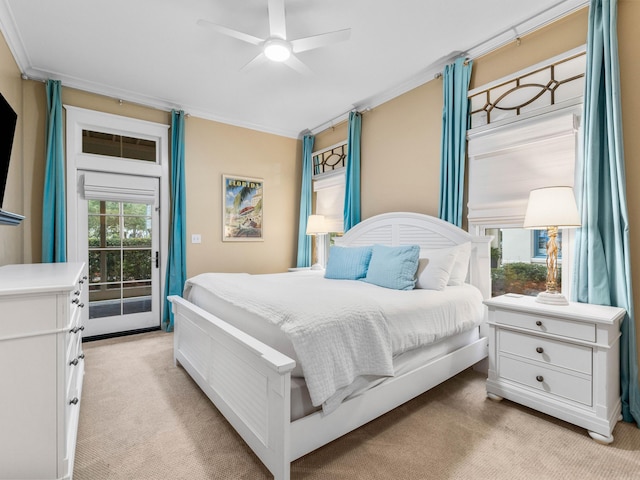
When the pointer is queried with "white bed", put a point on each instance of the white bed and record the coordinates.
(259, 389)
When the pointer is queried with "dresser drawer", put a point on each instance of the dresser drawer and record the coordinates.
(561, 354)
(73, 360)
(541, 324)
(546, 380)
(72, 409)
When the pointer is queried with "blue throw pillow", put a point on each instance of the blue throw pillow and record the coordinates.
(348, 263)
(393, 267)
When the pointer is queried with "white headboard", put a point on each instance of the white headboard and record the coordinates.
(407, 228)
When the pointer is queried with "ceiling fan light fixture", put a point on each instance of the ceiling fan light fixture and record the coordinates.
(277, 50)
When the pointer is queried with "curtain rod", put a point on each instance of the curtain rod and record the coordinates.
(335, 121)
(120, 101)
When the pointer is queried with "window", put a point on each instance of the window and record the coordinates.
(524, 136)
(518, 261)
(120, 146)
(329, 185)
(540, 239)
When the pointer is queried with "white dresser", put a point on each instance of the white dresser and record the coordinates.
(41, 368)
(560, 360)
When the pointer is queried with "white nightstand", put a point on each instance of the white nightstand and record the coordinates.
(560, 360)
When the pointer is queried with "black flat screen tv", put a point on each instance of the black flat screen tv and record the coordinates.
(8, 120)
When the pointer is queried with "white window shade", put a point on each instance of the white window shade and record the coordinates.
(507, 162)
(119, 188)
(330, 200)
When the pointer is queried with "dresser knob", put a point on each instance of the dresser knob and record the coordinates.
(540, 378)
(538, 323)
(539, 349)
(74, 362)
(75, 300)
(74, 401)
(77, 292)
(74, 330)
(81, 356)
(81, 305)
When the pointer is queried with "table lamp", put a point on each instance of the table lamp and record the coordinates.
(316, 225)
(552, 208)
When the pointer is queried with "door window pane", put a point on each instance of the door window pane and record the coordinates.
(120, 258)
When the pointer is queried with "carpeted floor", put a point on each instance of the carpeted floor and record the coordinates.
(142, 418)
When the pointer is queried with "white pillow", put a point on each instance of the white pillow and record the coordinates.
(434, 269)
(458, 271)
(461, 265)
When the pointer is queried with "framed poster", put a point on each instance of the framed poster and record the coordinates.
(242, 208)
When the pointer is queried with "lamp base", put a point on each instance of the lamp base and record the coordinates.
(552, 298)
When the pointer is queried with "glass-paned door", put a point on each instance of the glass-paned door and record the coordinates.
(123, 267)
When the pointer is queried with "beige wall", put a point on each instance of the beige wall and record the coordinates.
(11, 237)
(213, 149)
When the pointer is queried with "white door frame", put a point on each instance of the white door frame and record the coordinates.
(79, 119)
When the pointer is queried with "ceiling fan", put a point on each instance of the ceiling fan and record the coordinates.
(277, 47)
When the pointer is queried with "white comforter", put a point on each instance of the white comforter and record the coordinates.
(345, 332)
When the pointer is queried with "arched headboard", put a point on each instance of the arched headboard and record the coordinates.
(409, 228)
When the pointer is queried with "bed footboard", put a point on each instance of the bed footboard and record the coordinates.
(248, 381)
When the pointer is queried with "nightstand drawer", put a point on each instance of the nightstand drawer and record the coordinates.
(574, 357)
(551, 325)
(546, 380)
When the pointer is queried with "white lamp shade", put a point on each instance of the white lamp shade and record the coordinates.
(552, 207)
(316, 225)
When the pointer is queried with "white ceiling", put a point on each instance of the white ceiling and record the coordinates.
(152, 52)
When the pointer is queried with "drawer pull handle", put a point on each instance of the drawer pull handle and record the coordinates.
(75, 300)
(539, 349)
(74, 362)
(74, 401)
(81, 356)
(540, 378)
(81, 305)
(538, 323)
(76, 293)
(81, 281)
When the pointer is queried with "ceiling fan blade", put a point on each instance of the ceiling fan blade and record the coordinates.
(297, 65)
(277, 26)
(257, 60)
(322, 40)
(245, 37)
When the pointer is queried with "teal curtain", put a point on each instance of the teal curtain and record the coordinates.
(306, 199)
(352, 176)
(54, 226)
(176, 274)
(453, 143)
(603, 270)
